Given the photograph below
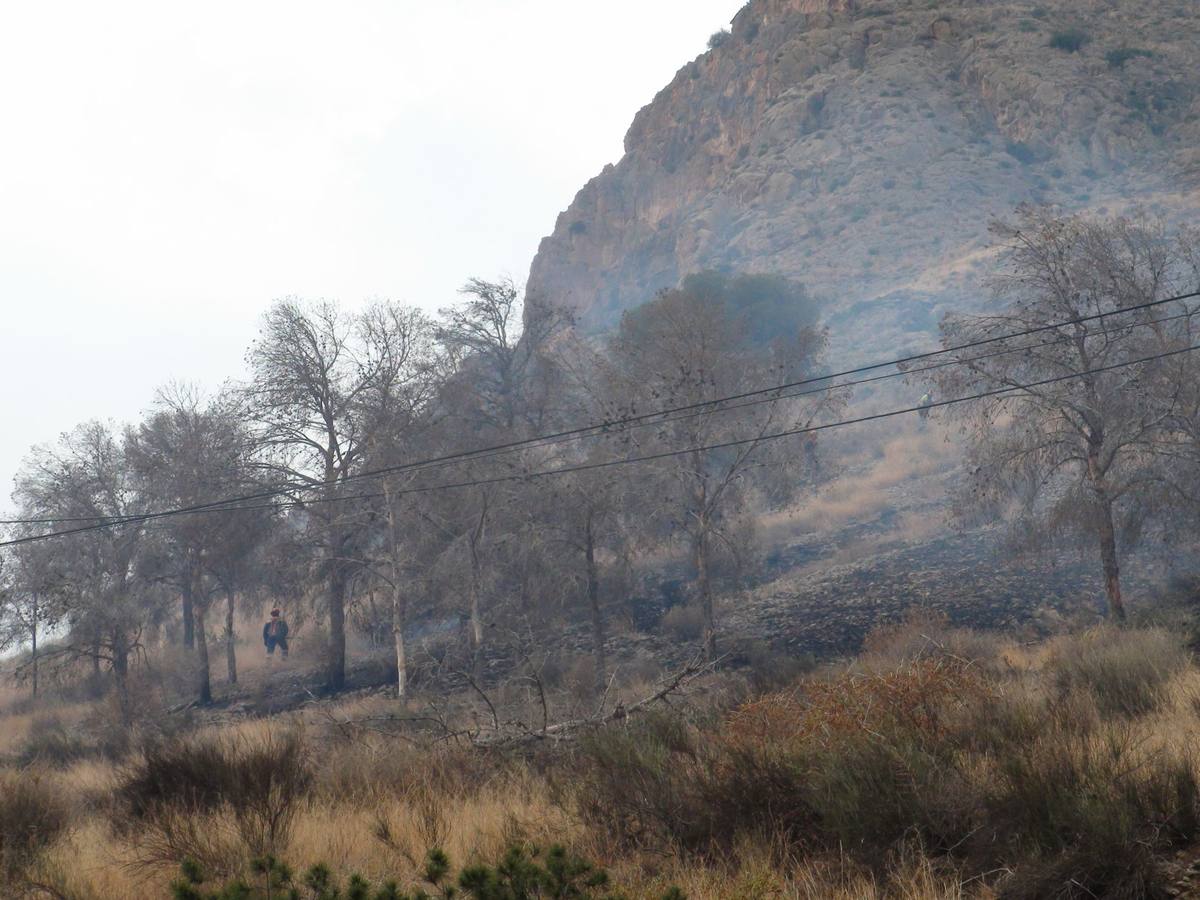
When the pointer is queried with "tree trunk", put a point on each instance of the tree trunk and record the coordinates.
(336, 680)
(33, 653)
(476, 619)
(189, 631)
(398, 598)
(203, 679)
(1108, 558)
(230, 638)
(475, 613)
(398, 638)
(120, 667)
(704, 590)
(1105, 531)
(599, 663)
(96, 680)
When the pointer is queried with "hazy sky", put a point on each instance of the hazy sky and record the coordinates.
(167, 169)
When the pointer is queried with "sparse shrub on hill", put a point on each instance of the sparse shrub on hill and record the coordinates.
(718, 39)
(1071, 40)
(1118, 56)
(685, 622)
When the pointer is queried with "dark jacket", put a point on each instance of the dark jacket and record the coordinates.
(275, 630)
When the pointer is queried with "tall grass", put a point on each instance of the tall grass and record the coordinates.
(33, 815)
(941, 764)
(200, 797)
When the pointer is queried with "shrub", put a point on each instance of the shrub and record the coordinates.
(637, 785)
(1089, 814)
(1071, 41)
(684, 622)
(172, 793)
(525, 873)
(1126, 672)
(719, 39)
(771, 669)
(1118, 57)
(1022, 153)
(50, 743)
(33, 813)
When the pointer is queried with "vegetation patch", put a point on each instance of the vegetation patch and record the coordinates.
(1072, 40)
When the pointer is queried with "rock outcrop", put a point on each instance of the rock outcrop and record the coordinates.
(863, 146)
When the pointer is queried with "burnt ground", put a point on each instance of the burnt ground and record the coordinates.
(821, 610)
(816, 594)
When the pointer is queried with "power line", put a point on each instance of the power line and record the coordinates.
(623, 423)
(656, 417)
(565, 470)
(623, 420)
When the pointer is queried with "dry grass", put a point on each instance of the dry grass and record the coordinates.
(873, 470)
(973, 745)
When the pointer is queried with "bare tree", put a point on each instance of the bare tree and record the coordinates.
(716, 336)
(401, 411)
(30, 603)
(1073, 441)
(188, 452)
(87, 475)
(497, 342)
(316, 370)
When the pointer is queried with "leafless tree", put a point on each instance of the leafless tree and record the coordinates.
(190, 451)
(314, 368)
(1073, 443)
(497, 342)
(716, 336)
(401, 410)
(87, 475)
(31, 601)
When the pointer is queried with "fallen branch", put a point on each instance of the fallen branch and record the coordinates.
(514, 733)
(567, 730)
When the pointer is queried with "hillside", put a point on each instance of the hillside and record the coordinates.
(864, 145)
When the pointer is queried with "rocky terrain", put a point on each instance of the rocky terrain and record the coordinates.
(863, 146)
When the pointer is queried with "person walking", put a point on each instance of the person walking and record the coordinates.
(275, 634)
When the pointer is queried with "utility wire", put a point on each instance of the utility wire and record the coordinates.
(565, 470)
(761, 396)
(653, 418)
(656, 417)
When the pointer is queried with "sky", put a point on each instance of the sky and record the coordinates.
(167, 170)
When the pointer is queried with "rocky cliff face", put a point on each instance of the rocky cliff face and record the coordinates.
(863, 146)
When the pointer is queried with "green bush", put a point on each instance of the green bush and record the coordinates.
(523, 874)
(1076, 813)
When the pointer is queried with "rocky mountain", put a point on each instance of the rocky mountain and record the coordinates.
(863, 146)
